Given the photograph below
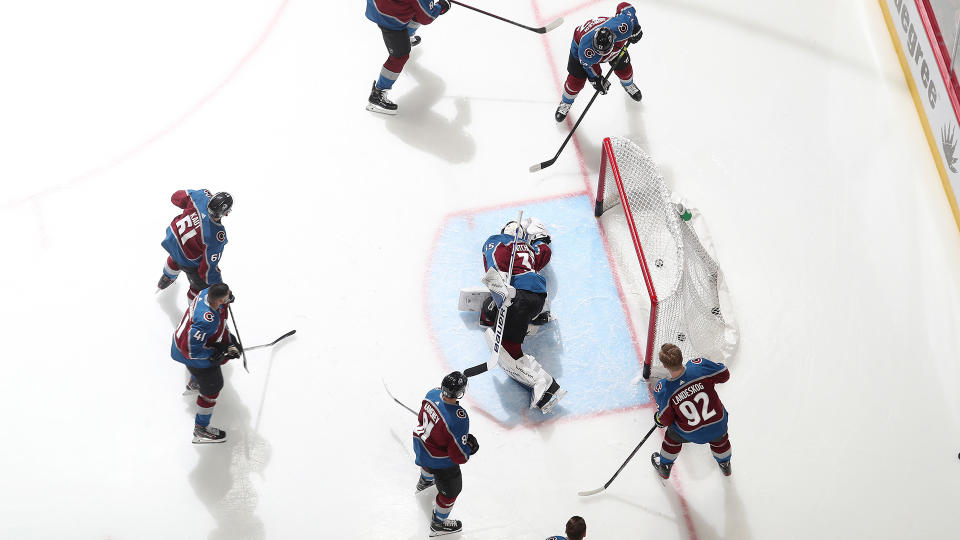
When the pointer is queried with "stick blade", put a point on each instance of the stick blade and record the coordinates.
(589, 493)
(553, 26)
(473, 371)
(537, 167)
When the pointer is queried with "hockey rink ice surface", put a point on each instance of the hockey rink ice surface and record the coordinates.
(789, 125)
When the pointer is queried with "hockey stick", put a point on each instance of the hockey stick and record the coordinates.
(610, 481)
(272, 343)
(551, 161)
(389, 393)
(502, 314)
(243, 353)
(540, 30)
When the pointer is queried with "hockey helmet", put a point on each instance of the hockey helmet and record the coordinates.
(513, 228)
(220, 205)
(603, 40)
(454, 385)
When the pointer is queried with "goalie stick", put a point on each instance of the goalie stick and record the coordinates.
(610, 481)
(501, 315)
(551, 161)
(540, 30)
(272, 343)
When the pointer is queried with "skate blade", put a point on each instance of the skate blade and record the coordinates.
(203, 440)
(443, 533)
(377, 109)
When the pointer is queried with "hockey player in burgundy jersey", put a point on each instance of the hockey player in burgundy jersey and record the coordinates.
(525, 299)
(689, 407)
(442, 442)
(203, 343)
(398, 21)
(196, 238)
(597, 41)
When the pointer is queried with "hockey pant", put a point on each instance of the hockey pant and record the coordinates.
(211, 382)
(577, 76)
(449, 483)
(525, 370)
(398, 47)
(673, 443)
(171, 269)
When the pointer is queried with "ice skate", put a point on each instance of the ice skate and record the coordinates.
(550, 398)
(440, 527)
(207, 434)
(378, 102)
(663, 469)
(633, 91)
(562, 111)
(165, 281)
(725, 467)
(193, 387)
(423, 484)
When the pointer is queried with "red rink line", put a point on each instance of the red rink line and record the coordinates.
(172, 126)
(586, 180)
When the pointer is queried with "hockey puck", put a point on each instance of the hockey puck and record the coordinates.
(658, 262)
(681, 337)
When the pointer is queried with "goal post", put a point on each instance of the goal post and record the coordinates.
(682, 285)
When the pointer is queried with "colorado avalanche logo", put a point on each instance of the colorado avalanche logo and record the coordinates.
(697, 360)
(461, 414)
(622, 28)
(221, 236)
(589, 53)
(659, 386)
(208, 316)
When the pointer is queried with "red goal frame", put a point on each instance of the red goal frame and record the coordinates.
(607, 156)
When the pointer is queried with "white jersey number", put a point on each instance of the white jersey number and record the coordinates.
(425, 427)
(689, 410)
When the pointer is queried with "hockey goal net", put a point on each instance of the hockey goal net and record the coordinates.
(681, 281)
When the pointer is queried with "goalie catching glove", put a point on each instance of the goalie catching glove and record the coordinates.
(501, 290)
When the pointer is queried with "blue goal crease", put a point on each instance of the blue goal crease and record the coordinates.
(588, 348)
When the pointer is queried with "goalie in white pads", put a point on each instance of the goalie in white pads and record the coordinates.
(524, 295)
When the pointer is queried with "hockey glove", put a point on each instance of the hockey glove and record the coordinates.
(656, 419)
(235, 343)
(636, 35)
(473, 444)
(225, 355)
(231, 298)
(444, 5)
(537, 231)
(600, 84)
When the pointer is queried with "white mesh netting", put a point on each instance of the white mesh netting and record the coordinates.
(692, 310)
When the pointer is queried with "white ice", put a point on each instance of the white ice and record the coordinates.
(788, 124)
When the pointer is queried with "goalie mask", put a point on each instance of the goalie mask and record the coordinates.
(513, 228)
(454, 385)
